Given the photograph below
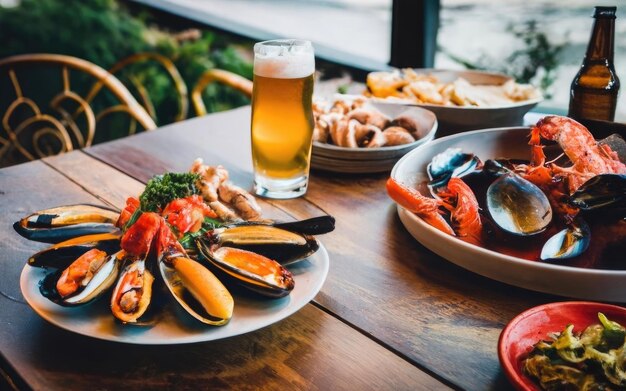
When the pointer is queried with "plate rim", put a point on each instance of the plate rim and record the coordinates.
(284, 312)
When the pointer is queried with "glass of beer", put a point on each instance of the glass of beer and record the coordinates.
(282, 117)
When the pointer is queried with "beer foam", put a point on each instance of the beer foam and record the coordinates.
(284, 62)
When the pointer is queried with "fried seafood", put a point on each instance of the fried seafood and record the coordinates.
(355, 125)
(228, 201)
(428, 89)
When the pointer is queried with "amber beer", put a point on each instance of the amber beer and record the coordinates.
(594, 90)
(282, 117)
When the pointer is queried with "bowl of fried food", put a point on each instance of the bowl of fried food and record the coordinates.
(461, 100)
(354, 135)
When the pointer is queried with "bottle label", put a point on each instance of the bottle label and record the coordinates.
(590, 104)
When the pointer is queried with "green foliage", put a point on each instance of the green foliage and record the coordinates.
(104, 32)
(538, 60)
(535, 62)
(162, 189)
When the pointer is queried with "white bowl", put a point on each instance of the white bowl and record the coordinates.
(455, 119)
(333, 158)
(590, 284)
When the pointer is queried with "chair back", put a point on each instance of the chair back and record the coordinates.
(70, 120)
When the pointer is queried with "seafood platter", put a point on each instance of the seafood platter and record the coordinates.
(191, 259)
(565, 345)
(461, 100)
(356, 136)
(541, 208)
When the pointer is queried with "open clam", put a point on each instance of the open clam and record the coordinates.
(65, 222)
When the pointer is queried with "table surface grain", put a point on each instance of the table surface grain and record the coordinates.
(391, 314)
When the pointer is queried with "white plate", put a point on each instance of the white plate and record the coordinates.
(454, 119)
(176, 327)
(591, 284)
(369, 160)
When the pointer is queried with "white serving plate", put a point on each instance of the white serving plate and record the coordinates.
(333, 158)
(454, 119)
(591, 284)
(175, 326)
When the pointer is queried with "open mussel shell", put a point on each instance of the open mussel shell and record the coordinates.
(451, 163)
(606, 191)
(197, 290)
(515, 204)
(65, 222)
(132, 295)
(278, 244)
(567, 243)
(101, 281)
(313, 226)
(251, 270)
(61, 255)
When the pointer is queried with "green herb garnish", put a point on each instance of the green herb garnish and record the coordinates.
(163, 189)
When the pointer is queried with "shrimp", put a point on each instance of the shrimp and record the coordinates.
(464, 211)
(424, 207)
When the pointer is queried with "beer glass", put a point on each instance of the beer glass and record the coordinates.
(282, 117)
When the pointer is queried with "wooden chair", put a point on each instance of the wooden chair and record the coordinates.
(178, 83)
(37, 134)
(230, 79)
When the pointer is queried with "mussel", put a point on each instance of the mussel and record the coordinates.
(313, 226)
(61, 255)
(567, 243)
(270, 241)
(515, 204)
(448, 164)
(86, 279)
(65, 222)
(600, 192)
(251, 270)
(132, 295)
(197, 290)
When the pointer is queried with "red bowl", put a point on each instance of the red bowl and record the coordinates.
(533, 325)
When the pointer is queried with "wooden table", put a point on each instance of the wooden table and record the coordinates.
(391, 314)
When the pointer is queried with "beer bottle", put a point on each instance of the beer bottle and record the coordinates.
(593, 94)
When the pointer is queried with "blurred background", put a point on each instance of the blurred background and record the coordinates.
(536, 41)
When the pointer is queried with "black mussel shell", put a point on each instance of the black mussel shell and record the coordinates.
(313, 226)
(61, 255)
(279, 244)
(567, 243)
(606, 191)
(65, 222)
(451, 163)
(100, 283)
(275, 282)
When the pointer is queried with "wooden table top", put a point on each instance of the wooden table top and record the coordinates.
(391, 314)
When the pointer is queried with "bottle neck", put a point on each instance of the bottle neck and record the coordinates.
(601, 42)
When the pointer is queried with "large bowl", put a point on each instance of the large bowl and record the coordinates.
(370, 160)
(590, 284)
(455, 119)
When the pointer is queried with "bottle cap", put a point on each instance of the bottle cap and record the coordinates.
(605, 12)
